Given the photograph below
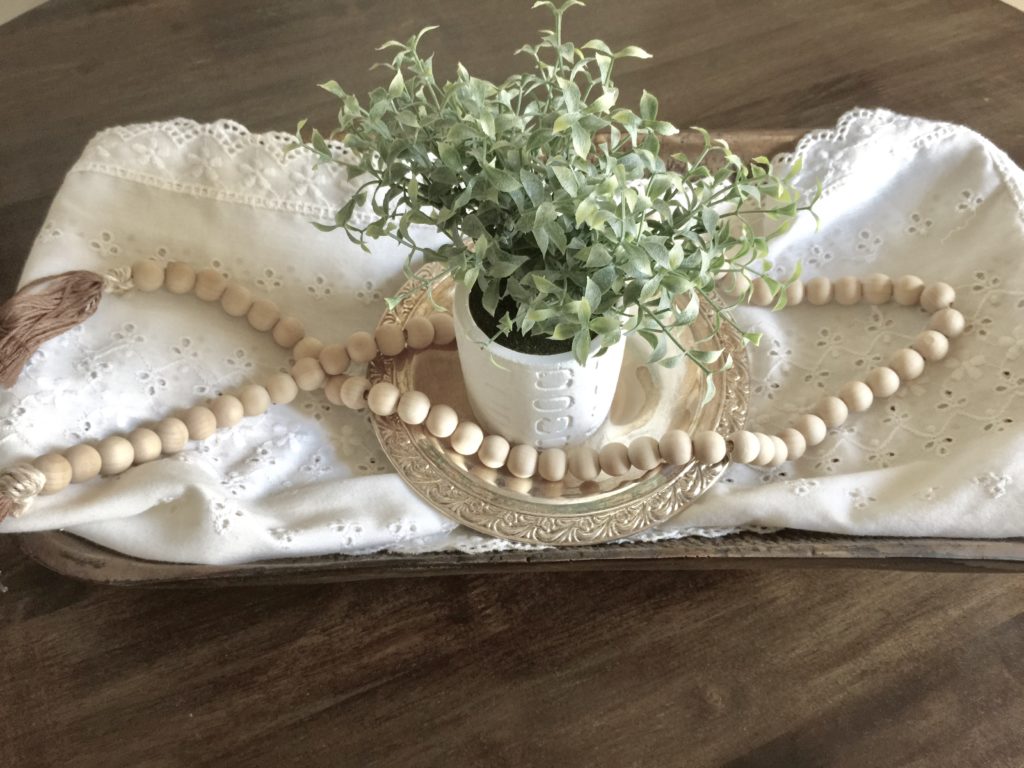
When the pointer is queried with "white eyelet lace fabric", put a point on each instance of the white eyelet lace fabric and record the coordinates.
(901, 195)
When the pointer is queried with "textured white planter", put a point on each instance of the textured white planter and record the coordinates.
(546, 401)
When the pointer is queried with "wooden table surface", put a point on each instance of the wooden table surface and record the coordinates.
(780, 668)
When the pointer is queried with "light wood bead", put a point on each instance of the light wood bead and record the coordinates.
(179, 277)
(308, 374)
(146, 445)
(116, 455)
(57, 470)
(444, 328)
(390, 339)
(310, 346)
(227, 410)
(361, 347)
(210, 285)
(614, 459)
(552, 464)
(584, 463)
(148, 275)
(282, 388)
(255, 399)
(765, 450)
(760, 294)
(644, 453)
(288, 331)
(173, 435)
(200, 422)
(263, 314)
(832, 411)
(332, 389)
(857, 395)
(419, 331)
(884, 381)
(709, 447)
(676, 447)
(781, 452)
(908, 364)
(877, 288)
(812, 428)
(743, 446)
(949, 322)
(236, 300)
(796, 443)
(794, 293)
(467, 438)
(848, 291)
(937, 296)
(334, 359)
(932, 345)
(353, 392)
(734, 284)
(907, 289)
(522, 461)
(413, 407)
(442, 420)
(819, 291)
(382, 398)
(85, 462)
(494, 451)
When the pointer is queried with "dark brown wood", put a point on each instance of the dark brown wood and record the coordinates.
(741, 668)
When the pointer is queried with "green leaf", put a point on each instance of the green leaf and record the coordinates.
(332, 87)
(533, 185)
(563, 123)
(397, 86)
(633, 52)
(581, 346)
(567, 178)
(648, 106)
(544, 285)
(598, 257)
(503, 180)
(581, 141)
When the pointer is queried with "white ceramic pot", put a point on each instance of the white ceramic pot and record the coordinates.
(546, 401)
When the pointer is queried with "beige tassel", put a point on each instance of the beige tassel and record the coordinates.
(19, 485)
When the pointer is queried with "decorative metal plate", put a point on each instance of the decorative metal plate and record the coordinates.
(648, 400)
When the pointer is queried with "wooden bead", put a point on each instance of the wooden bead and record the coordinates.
(709, 447)
(644, 453)
(210, 285)
(444, 328)
(334, 359)
(812, 428)
(353, 392)
(263, 314)
(614, 459)
(227, 410)
(308, 374)
(467, 438)
(937, 296)
(883, 381)
(819, 291)
(442, 420)
(949, 322)
(734, 285)
(908, 364)
(760, 294)
(857, 396)
(282, 388)
(255, 399)
(85, 462)
(847, 291)
(361, 347)
(332, 389)
(310, 346)
(390, 339)
(676, 447)
(179, 277)
(522, 460)
(584, 463)
(173, 435)
(796, 443)
(148, 275)
(781, 452)
(552, 464)
(200, 422)
(765, 450)
(794, 293)
(413, 407)
(288, 331)
(145, 444)
(57, 470)
(383, 398)
(494, 451)
(419, 331)
(236, 300)
(877, 288)
(932, 345)
(116, 455)
(743, 446)
(832, 411)
(906, 289)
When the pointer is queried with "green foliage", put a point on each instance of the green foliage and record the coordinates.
(553, 194)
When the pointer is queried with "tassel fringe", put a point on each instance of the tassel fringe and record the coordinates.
(19, 485)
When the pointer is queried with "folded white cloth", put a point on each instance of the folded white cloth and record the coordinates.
(902, 195)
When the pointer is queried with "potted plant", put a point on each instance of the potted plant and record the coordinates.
(565, 229)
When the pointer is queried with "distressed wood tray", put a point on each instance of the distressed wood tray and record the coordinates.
(72, 556)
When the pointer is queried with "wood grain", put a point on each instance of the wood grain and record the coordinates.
(749, 668)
